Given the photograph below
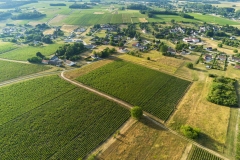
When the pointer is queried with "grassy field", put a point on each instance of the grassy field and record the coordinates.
(54, 122)
(6, 46)
(213, 19)
(157, 93)
(200, 154)
(10, 70)
(24, 53)
(145, 140)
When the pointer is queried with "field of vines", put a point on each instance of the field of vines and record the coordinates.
(157, 93)
(200, 154)
(238, 144)
(6, 46)
(24, 53)
(48, 118)
(10, 70)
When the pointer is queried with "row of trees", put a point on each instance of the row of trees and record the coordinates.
(10, 4)
(28, 15)
(79, 6)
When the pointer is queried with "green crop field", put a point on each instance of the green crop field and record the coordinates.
(6, 46)
(238, 144)
(24, 53)
(213, 19)
(10, 70)
(200, 154)
(157, 93)
(48, 118)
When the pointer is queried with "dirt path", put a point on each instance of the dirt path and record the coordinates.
(23, 78)
(125, 127)
(3, 59)
(146, 115)
(186, 152)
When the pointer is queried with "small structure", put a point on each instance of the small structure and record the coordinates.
(136, 45)
(209, 48)
(45, 61)
(69, 63)
(208, 57)
(192, 47)
(232, 38)
(191, 40)
(90, 46)
(171, 51)
(235, 59)
(222, 57)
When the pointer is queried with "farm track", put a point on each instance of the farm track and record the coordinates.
(9, 60)
(23, 78)
(146, 115)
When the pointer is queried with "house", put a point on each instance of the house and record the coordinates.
(235, 59)
(90, 46)
(45, 61)
(192, 47)
(222, 57)
(232, 38)
(209, 48)
(195, 40)
(185, 52)
(237, 67)
(54, 57)
(136, 45)
(55, 62)
(68, 40)
(123, 50)
(69, 63)
(208, 57)
(171, 51)
(187, 40)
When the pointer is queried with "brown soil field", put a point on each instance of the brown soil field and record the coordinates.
(142, 20)
(68, 28)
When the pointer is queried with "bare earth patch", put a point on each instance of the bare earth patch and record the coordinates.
(57, 19)
(98, 13)
(68, 28)
(142, 20)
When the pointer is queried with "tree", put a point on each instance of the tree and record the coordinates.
(235, 51)
(220, 45)
(40, 55)
(189, 65)
(136, 112)
(163, 48)
(172, 21)
(190, 132)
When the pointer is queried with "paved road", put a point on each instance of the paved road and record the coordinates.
(128, 106)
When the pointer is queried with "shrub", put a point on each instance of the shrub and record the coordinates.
(235, 51)
(136, 112)
(190, 132)
(220, 45)
(189, 65)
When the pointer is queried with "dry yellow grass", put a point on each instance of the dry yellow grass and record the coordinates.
(48, 31)
(57, 19)
(87, 68)
(145, 140)
(98, 13)
(196, 111)
(169, 66)
(143, 20)
(68, 28)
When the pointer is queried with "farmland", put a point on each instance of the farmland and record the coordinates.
(10, 70)
(213, 19)
(54, 123)
(24, 53)
(157, 93)
(200, 154)
(5, 46)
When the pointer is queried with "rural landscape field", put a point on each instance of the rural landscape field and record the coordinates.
(119, 80)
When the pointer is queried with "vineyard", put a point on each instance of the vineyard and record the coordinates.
(10, 70)
(157, 93)
(24, 53)
(200, 154)
(5, 47)
(58, 121)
